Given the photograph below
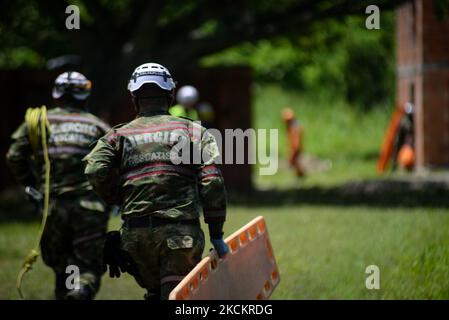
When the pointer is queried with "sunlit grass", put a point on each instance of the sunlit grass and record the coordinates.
(322, 253)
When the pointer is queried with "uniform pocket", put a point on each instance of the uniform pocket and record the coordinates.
(92, 205)
(180, 242)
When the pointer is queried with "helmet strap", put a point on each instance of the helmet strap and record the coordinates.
(136, 104)
(171, 98)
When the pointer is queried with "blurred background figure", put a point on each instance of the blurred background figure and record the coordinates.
(294, 137)
(189, 106)
(187, 98)
(403, 152)
(398, 145)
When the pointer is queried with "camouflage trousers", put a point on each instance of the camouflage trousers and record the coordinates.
(164, 255)
(74, 235)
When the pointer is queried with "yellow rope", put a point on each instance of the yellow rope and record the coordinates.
(38, 127)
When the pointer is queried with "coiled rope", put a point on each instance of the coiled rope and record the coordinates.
(38, 128)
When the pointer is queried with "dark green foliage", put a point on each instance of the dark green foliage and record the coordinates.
(338, 59)
(115, 36)
(369, 67)
(442, 9)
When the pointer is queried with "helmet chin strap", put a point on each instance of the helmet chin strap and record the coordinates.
(171, 98)
(136, 104)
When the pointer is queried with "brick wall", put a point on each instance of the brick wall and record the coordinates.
(423, 78)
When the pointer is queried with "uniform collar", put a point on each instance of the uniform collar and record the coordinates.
(69, 108)
(149, 113)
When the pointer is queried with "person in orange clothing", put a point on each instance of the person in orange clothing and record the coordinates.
(398, 144)
(403, 151)
(294, 137)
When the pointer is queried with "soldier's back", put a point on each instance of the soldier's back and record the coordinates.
(72, 135)
(151, 183)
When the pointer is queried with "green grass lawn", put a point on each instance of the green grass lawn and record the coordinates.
(322, 253)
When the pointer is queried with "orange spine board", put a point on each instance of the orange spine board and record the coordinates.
(249, 271)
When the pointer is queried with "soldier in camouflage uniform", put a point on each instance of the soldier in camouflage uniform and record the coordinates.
(77, 220)
(136, 166)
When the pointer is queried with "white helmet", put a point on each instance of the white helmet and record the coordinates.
(187, 95)
(408, 108)
(151, 73)
(72, 83)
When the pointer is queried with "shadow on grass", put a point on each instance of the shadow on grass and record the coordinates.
(15, 207)
(375, 193)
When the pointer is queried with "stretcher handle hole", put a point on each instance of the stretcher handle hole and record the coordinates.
(204, 273)
(185, 292)
(214, 264)
(193, 285)
(243, 238)
(267, 286)
(252, 232)
(274, 275)
(233, 244)
(261, 226)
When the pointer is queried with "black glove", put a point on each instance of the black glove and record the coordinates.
(118, 260)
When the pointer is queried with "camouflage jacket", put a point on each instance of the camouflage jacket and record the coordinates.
(72, 135)
(132, 166)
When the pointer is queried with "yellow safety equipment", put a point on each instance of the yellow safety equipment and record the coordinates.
(38, 128)
(180, 111)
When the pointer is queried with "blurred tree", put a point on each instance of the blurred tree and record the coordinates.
(369, 68)
(115, 36)
(337, 59)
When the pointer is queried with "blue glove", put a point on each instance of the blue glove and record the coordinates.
(220, 246)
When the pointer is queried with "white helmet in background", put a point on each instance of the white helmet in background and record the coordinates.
(151, 73)
(187, 96)
(72, 83)
(409, 108)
